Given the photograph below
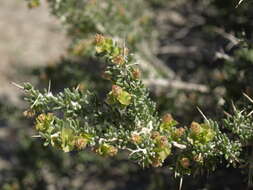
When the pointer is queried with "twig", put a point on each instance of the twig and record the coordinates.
(177, 49)
(234, 40)
(222, 55)
(180, 85)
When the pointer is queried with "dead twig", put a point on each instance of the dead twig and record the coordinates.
(177, 84)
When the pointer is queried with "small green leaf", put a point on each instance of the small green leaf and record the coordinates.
(124, 98)
(167, 126)
(67, 138)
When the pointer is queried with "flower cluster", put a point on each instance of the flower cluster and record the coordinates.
(126, 119)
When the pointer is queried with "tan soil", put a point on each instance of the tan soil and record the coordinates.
(28, 38)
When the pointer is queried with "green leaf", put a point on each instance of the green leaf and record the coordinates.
(167, 126)
(124, 98)
(67, 137)
(164, 153)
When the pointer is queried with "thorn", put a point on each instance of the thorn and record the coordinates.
(49, 86)
(17, 85)
(202, 114)
(77, 88)
(227, 114)
(233, 106)
(36, 136)
(241, 111)
(181, 183)
(239, 3)
(250, 113)
(248, 97)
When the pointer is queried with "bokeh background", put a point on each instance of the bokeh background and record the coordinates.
(201, 56)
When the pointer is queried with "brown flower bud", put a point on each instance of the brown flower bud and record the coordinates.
(41, 117)
(155, 134)
(136, 73)
(106, 76)
(179, 132)
(156, 163)
(29, 113)
(185, 162)
(135, 138)
(112, 151)
(119, 60)
(80, 143)
(195, 127)
(163, 141)
(99, 39)
(167, 118)
(116, 90)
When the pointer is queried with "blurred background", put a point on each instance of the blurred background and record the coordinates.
(193, 53)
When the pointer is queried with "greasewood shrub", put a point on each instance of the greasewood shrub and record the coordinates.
(127, 120)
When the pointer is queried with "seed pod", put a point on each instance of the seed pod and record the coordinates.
(179, 132)
(163, 141)
(156, 163)
(112, 151)
(99, 39)
(119, 60)
(43, 122)
(29, 113)
(80, 143)
(116, 90)
(136, 73)
(155, 134)
(167, 118)
(195, 128)
(41, 117)
(135, 138)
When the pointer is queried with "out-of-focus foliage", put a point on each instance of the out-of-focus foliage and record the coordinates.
(120, 19)
(238, 73)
